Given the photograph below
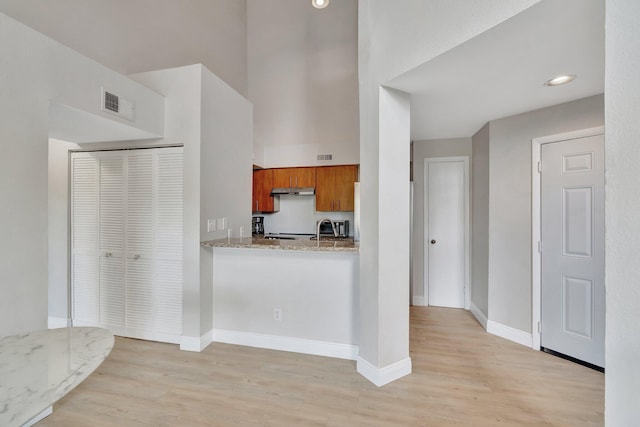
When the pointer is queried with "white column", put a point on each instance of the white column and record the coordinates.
(384, 257)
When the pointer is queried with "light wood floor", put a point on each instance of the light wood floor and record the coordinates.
(461, 376)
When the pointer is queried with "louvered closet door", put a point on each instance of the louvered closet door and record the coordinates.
(112, 227)
(169, 203)
(127, 242)
(84, 238)
(139, 294)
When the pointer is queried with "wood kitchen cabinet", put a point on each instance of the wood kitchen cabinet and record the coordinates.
(294, 177)
(334, 188)
(262, 200)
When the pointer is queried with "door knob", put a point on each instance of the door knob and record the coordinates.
(433, 242)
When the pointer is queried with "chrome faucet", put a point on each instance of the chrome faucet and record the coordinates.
(333, 227)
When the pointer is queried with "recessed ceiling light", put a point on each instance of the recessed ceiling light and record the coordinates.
(320, 4)
(560, 80)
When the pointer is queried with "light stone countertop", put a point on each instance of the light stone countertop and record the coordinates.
(324, 245)
(38, 368)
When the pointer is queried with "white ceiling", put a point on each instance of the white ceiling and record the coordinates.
(501, 72)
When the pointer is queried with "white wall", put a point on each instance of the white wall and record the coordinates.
(226, 179)
(303, 81)
(316, 291)
(393, 38)
(510, 201)
(35, 71)
(480, 220)
(144, 35)
(622, 109)
(421, 150)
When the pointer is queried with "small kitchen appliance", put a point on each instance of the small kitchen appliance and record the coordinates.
(257, 225)
(341, 225)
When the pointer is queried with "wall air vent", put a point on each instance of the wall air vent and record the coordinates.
(325, 156)
(114, 104)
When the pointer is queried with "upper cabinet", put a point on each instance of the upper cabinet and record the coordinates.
(262, 185)
(294, 177)
(334, 188)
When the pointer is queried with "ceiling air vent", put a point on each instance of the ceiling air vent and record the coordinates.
(114, 104)
(325, 156)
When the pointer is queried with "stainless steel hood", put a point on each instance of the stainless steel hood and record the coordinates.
(293, 191)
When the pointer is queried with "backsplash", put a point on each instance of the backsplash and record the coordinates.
(298, 215)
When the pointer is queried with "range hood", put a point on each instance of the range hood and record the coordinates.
(293, 191)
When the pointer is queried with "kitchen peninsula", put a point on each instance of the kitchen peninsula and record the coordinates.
(291, 295)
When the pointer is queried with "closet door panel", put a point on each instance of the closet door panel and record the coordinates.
(112, 225)
(139, 240)
(139, 296)
(84, 238)
(86, 296)
(139, 229)
(169, 206)
(112, 291)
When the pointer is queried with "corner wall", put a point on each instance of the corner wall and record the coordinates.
(226, 177)
(509, 262)
(480, 221)
(622, 134)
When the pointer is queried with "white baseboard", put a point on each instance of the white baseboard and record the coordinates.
(419, 301)
(479, 315)
(42, 415)
(296, 345)
(509, 333)
(196, 344)
(58, 322)
(382, 376)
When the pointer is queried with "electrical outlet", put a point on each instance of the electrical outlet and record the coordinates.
(221, 224)
(277, 314)
(211, 225)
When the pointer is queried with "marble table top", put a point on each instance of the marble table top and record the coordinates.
(38, 368)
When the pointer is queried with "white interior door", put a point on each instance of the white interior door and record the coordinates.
(446, 194)
(573, 293)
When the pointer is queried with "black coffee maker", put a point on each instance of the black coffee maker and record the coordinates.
(257, 225)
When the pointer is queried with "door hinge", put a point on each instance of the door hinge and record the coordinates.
(539, 167)
(539, 247)
(539, 328)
